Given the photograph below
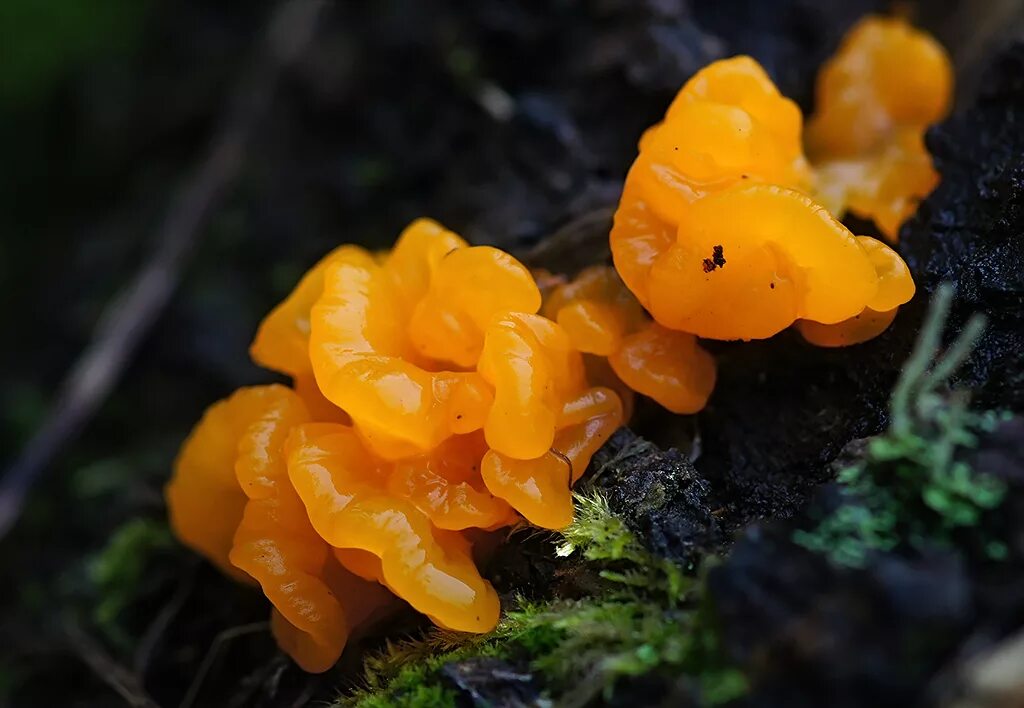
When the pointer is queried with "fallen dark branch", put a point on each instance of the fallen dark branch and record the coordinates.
(127, 320)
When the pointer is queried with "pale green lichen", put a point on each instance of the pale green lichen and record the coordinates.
(913, 487)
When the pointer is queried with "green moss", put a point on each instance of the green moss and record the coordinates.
(600, 642)
(410, 689)
(912, 487)
(603, 538)
(648, 616)
(116, 571)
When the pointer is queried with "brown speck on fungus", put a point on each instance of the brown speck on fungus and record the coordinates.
(717, 260)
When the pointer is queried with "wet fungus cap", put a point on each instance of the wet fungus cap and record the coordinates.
(895, 287)
(541, 489)
(727, 124)
(204, 500)
(885, 74)
(667, 366)
(750, 260)
(595, 309)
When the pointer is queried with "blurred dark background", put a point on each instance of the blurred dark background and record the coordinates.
(505, 121)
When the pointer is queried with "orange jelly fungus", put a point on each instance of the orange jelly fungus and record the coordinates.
(546, 422)
(435, 397)
(540, 489)
(603, 318)
(430, 404)
(344, 489)
(895, 286)
(375, 355)
(716, 233)
(875, 98)
(231, 500)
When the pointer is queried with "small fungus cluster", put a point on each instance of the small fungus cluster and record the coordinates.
(438, 394)
(875, 98)
(725, 230)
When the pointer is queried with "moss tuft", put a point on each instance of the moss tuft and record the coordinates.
(603, 539)
(116, 571)
(648, 616)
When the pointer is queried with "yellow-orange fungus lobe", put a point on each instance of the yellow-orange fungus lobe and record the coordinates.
(204, 499)
(282, 340)
(277, 546)
(730, 247)
(447, 487)
(540, 489)
(595, 309)
(470, 287)
(530, 362)
(895, 283)
(895, 287)
(364, 364)
(344, 491)
(595, 327)
(638, 239)
(728, 124)
(364, 603)
(668, 366)
(416, 255)
(743, 83)
(875, 98)
(411, 369)
(724, 229)
(859, 328)
(243, 440)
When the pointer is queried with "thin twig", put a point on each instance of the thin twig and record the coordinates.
(130, 316)
(155, 632)
(306, 695)
(124, 682)
(211, 655)
(580, 242)
(265, 679)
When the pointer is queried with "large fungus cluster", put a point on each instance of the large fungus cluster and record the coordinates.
(438, 394)
(430, 404)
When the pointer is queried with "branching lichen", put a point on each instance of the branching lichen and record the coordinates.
(912, 487)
